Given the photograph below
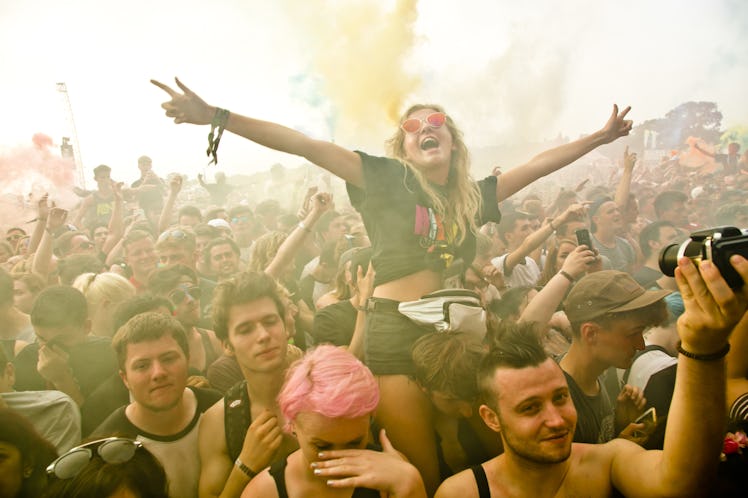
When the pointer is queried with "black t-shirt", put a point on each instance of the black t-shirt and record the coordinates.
(92, 362)
(334, 324)
(118, 423)
(595, 416)
(103, 401)
(400, 223)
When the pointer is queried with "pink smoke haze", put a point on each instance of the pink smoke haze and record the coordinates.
(26, 173)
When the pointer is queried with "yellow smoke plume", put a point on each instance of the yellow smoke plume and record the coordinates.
(359, 49)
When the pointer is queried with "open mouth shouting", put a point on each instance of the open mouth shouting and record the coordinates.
(429, 143)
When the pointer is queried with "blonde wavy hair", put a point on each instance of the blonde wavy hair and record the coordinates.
(463, 201)
(264, 250)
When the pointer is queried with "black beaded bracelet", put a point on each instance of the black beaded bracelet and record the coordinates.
(705, 357)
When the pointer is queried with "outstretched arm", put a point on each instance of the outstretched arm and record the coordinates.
(695, 428)
(41, 224)
(321, 202)
(551, 160)
(188, 107)
(116, 226)
(542, 307)
(624, 186)
(175, 185)
(535, 239)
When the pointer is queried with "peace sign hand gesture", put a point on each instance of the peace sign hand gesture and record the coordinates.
(186, 107)
(617, 126)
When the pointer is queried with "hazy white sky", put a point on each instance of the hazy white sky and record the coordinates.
(339, 68)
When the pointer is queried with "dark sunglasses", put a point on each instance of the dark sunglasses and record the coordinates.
(179, 295)
(113, 450)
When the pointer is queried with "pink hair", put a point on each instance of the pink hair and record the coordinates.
(330, 381)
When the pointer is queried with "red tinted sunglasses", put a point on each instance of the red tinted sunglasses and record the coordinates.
(415, 125)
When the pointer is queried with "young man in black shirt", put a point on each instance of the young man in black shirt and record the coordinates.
(164, 413)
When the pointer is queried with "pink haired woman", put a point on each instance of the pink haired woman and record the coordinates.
(327, 401)
(421, 210)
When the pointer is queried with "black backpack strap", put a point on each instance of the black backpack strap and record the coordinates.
(482, 481)
(236, 418)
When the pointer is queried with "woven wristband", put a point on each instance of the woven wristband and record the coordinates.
(220, 118)
(705, 357)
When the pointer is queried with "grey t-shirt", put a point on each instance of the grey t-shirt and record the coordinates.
(622, 257)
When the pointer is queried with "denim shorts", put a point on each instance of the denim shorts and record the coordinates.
(389, 338)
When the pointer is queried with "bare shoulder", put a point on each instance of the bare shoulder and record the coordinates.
(262, 485)
(460, 485)
(211, 423)
(599, 467)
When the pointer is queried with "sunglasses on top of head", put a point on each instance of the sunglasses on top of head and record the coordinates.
(113, 450)
(416, 125)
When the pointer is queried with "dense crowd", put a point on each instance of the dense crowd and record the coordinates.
(423, 334)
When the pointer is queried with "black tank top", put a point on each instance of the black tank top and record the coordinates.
(482, 481)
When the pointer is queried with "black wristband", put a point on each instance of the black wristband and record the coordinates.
(245, 470)
(705, 357)
(566, 275)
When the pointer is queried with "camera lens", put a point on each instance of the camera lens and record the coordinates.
(669, 260)
(669, 256)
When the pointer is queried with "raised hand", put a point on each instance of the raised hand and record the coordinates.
(617, 126)
(321, 202)
(186, 107)
(263, 439)
(712, 308)
(629, 159)
(175, 184)
(52, 363)
(57, 217)
(42, 210)
(364, 284)
(577, 262)
(630, 403)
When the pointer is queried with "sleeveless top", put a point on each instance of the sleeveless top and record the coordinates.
(278, 471)
(481, 481)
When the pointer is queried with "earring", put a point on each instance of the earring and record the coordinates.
(27, 473)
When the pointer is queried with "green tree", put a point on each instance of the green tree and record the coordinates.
(737, 134)
(691, 119)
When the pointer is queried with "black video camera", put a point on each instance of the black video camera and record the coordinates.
(713, 244)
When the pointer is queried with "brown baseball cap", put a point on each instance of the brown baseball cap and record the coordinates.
(607, 291)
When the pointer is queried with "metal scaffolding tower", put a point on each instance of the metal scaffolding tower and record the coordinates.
(81, 176)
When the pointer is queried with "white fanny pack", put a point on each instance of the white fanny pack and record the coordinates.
(448, 310)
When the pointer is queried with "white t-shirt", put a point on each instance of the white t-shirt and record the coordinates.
(522, 275)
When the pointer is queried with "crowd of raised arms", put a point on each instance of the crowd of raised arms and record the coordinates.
(401, 329)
